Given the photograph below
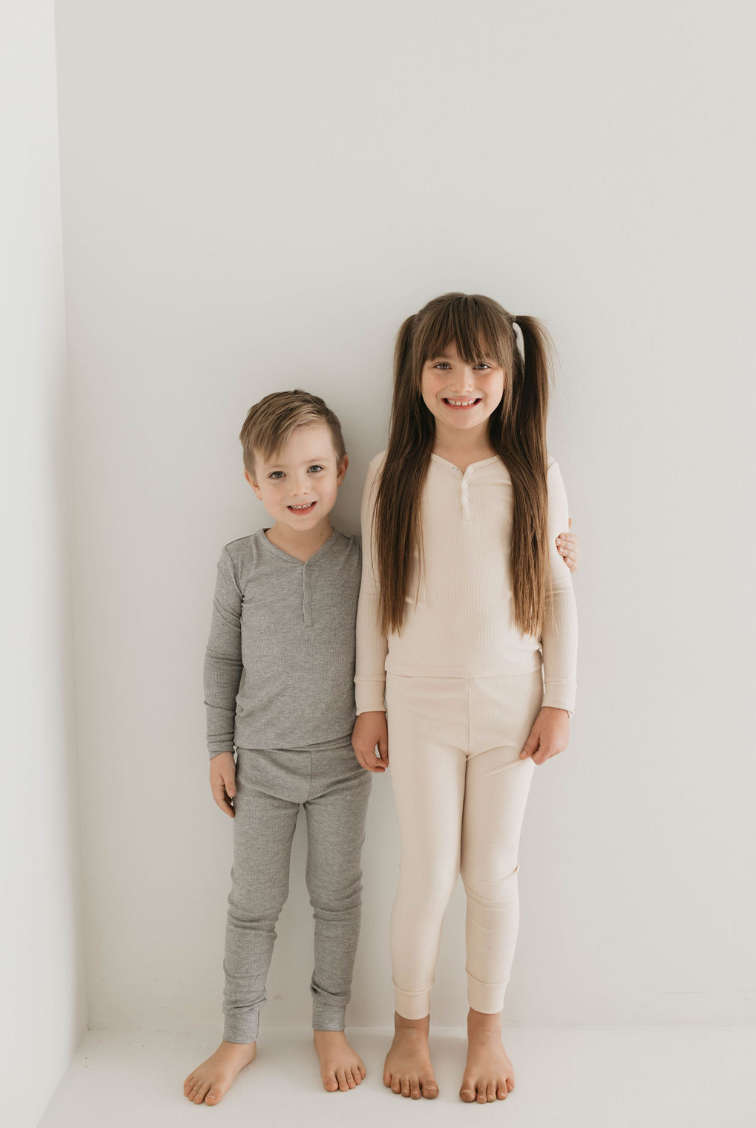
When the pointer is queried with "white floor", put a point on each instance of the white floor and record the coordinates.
(567, 1077)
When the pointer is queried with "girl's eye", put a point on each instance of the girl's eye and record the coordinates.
(482, 365)
(441, 364)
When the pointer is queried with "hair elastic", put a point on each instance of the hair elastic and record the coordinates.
(519, 338)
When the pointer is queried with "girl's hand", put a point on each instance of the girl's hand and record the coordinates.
(370, 729)
(549, 735)
(223, 781)
(568, 548)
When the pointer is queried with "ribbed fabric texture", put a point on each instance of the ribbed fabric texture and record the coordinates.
(460, 790)
(279, 663)
(460, 620)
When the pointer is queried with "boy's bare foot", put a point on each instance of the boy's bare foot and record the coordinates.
(488, 1075)
(211, 1081)
(340, 1066)
(408, 1068)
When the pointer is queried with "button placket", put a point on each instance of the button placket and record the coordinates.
(306, 596)
(464, 498)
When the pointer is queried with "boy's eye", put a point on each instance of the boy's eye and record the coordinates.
(316, 466)
(274, 472)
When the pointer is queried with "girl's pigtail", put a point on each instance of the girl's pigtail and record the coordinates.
(531, 394)
(527, 463)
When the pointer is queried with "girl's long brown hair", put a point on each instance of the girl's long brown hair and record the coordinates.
(478, 326)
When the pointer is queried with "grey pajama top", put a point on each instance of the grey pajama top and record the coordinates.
(279, 663)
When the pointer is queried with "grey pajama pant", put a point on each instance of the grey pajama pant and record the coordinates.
(270, 788)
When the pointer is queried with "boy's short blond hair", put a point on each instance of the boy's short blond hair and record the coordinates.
(270, 422)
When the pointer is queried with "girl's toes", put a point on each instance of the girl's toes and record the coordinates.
(396, 1085)
(213, 1096)
(481, 1097)
(356, 1075)
(467, 1092)
(428, 1086)
(501, 1091)
(405, 1087)
(330, 1082)
(343, 1087)
(491, 1091)
(510, 1084)
(415, 1089)
(363, 1071)
(387, 1078)
(349, 1079)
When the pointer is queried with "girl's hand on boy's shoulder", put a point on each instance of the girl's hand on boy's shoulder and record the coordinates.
(569, 549)
(549, 735)
(370, 729)
(223, 781)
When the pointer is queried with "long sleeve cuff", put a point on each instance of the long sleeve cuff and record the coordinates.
(369, 695)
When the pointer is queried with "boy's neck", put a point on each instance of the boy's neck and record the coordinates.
(300, 545)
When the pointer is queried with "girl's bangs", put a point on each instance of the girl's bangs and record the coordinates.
(474, 330)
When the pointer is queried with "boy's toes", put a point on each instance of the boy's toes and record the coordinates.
(343, 1087)
(415, 1091)
(200, 1092)
(396, 1085)
(213, 1096)
(502, 1092)
(491, 1091)
(356, 1075)
(330, 1082)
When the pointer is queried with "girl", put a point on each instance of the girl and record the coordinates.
(467, 622)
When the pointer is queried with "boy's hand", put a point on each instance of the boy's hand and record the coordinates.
(567, 544)
(223, 781)
(370, 729)
(549, 735)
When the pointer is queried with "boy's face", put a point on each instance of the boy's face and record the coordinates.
(298, 485)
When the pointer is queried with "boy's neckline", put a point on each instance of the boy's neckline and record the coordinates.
(325, 546)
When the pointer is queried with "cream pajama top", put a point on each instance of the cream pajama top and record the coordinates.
(460, 622)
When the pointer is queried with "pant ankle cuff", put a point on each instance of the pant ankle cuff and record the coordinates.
(327, 1018)
(488, 998)
(237, 1030)
(412, 1004)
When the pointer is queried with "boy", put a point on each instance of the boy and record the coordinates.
(279, 671)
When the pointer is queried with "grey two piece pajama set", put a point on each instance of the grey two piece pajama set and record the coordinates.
(279, 687)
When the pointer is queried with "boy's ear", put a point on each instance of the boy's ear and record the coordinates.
(342, 469)
(254, 485)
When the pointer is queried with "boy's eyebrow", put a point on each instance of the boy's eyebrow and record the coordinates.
(305, 461)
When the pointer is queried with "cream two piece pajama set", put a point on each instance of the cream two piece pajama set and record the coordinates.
(462, 689)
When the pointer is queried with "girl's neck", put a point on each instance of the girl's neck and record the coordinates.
(462, 446)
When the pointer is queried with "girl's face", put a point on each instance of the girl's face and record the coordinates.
(459, 395)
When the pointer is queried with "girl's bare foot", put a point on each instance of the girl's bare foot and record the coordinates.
(408, 1068)
(488, 1075)
(211, 1081)
(340, 1066)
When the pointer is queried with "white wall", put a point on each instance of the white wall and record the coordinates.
(42, 1016)
(254, 197)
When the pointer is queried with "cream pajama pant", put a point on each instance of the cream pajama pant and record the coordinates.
(460, 791)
